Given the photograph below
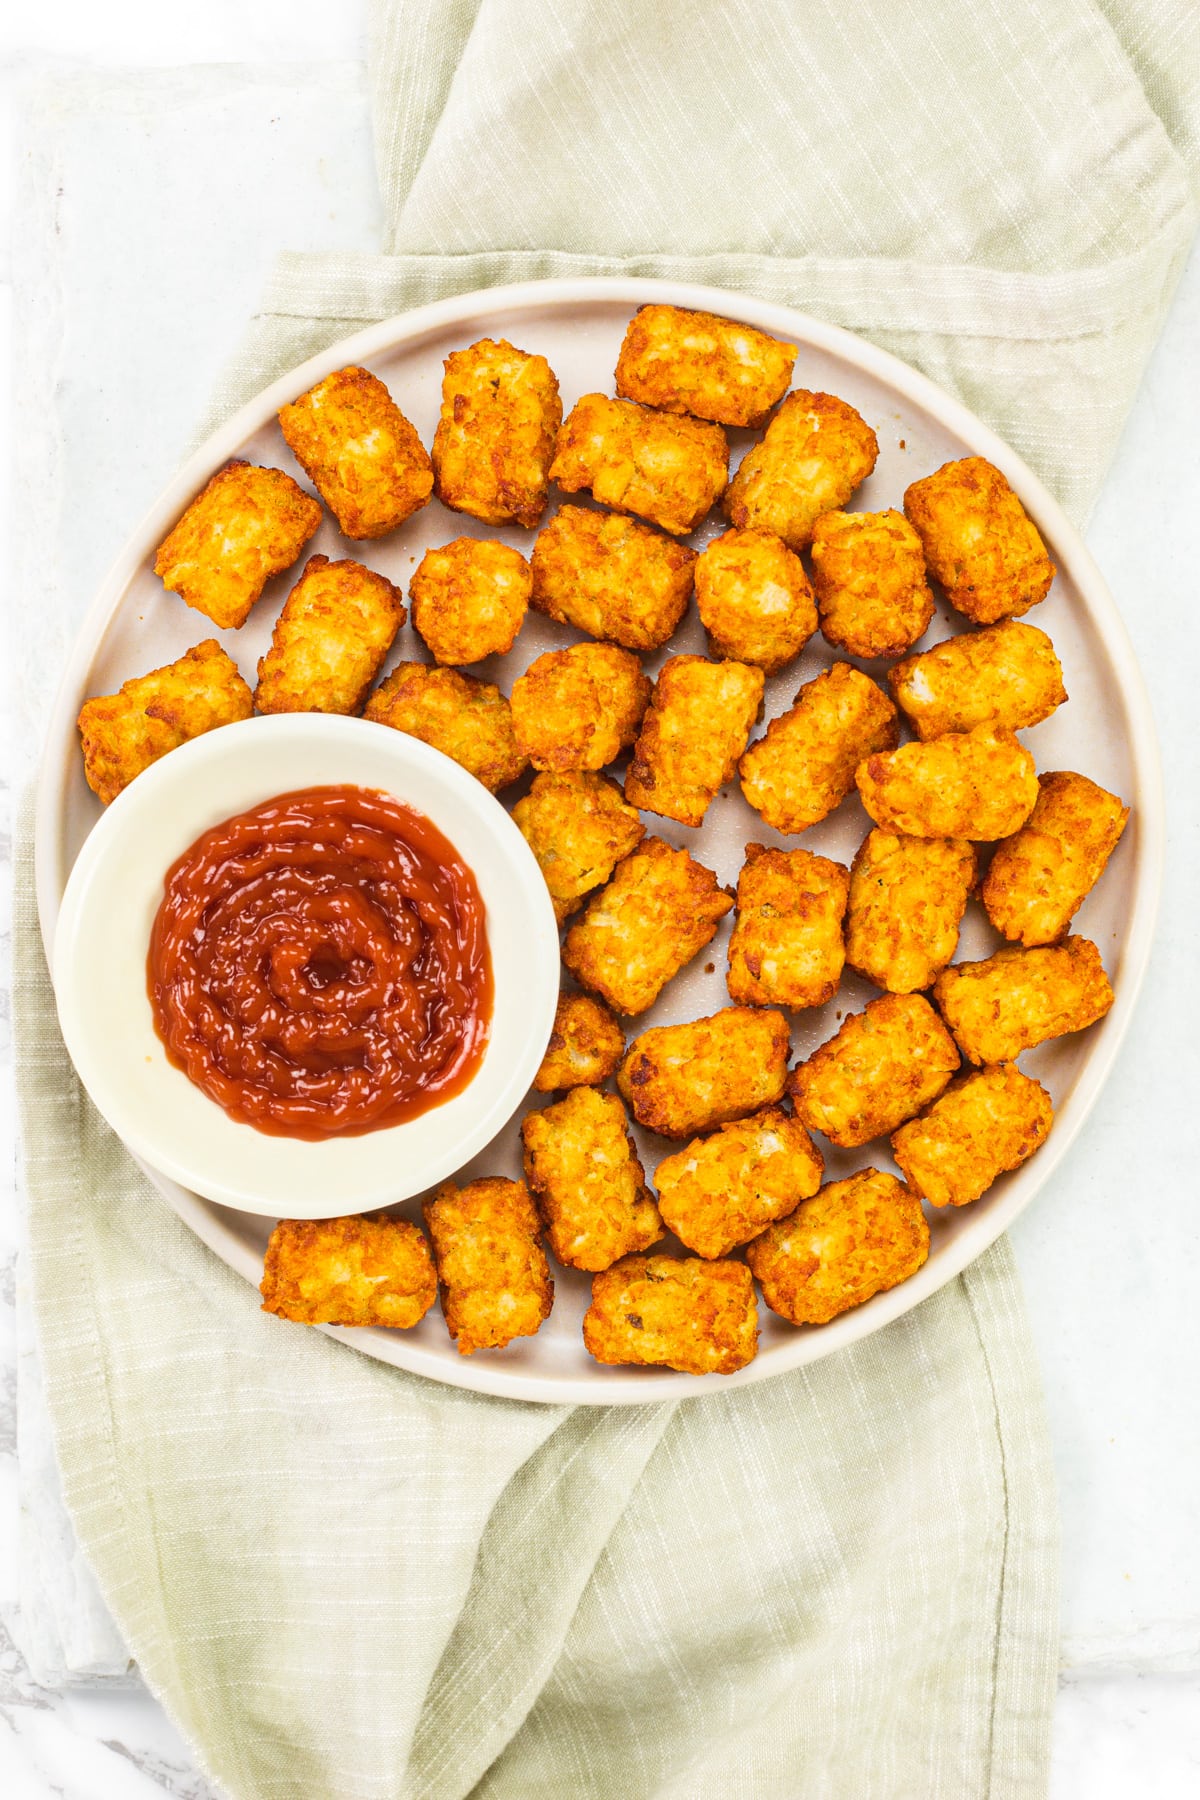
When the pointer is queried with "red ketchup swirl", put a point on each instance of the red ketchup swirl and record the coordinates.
(319, 965)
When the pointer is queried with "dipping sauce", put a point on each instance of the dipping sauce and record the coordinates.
(319, 964)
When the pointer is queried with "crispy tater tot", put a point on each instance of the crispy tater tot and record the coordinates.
(983, 1124)
(1018, 998)
(754, 599)
(466, 719)
(372, 1270)
(720, 1191)
(879, 1069)
(907, 899)
(853, 1239)
(869, 579)
(360, 452)
(979, 541)
(580, 707)
(658, 911)
(590, 1186)
(681, 1079)
(786, 948)
(815, 452)
(492, 1270)
(1040, 877)
(698, 723)
(579, 827)
(699, 363)
(666, 469)
(698, 1317)
(330, 640)
(611, 577)
(123, 733)
(1006, 674)
(495, 436)
(585, 1046)
(804, 767)
(978, 784)
(469, 599)
(247, 525)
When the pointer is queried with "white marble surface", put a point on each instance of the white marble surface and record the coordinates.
(156, 279)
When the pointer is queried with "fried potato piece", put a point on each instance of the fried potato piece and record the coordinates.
(698, 1317)
(469, 599)
(1018, 998)
(681, 1079)
(815, 452)
(495, 437)
(1041, 876)
(698, 723)
(978, 784)
(853, 1239)
(804, 767)
(666, 469)
(699, 363)
(658, 911)
(907, 899)
(611, 577)
(247, 525)
(373, 1270)
(466, 719)
(590, 1186)
(720, 1191)
(360, 452)
(585, 1046)
(330, 640)
(1006, 674)
(786, 948)
(983, 1124)
(879, 1069)
(979, 541)
(754, 599)
(869, 578)
(494, 1277)
(579, 827)
(580, 707)
(123, 733)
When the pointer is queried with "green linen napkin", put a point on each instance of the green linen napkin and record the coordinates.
(347, 1583)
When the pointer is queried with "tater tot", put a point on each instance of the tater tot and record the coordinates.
(495, 437)
(698, 1317)
(786, 948)
(466, 719)
(247, 525)
(804, 767)
(585, 1048)
(491, 1267)
(579, 827)
(580, 707)
(869, 580)
(123, 733)
(907, 899)
(698, 723)
(659, 910)
(720, 1191)
(330, 640)
(1041, 876)
(1018, 998)
(853, 1239)
(979, 541)
(372, 1270)
(360, 452)
(754, 599)
(978, 784)
(815, 452)
(879, 1069)
(1006, 674)
(469, 599)
(666, 469)
(984, 1124)
(698, 363)
(681, 1079)
(588, 1181)
(611, 577)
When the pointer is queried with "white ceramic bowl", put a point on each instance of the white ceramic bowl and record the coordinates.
(103, 935)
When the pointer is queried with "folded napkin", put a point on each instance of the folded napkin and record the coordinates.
(347, 1583)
